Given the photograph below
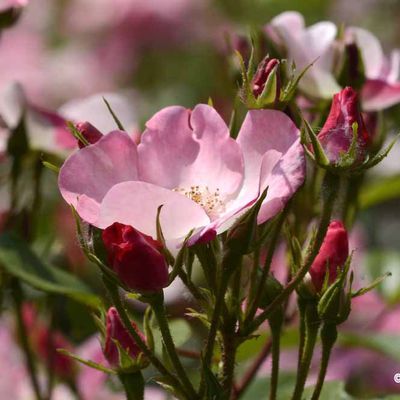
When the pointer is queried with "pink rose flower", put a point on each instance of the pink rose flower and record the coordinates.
(187, 162)
(382, 87)
(304, 46)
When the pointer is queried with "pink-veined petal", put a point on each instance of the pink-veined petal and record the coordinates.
(135, 203)
(88, 174)
(182, 148)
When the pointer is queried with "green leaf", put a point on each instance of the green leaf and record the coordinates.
(380, 191)
(180, 331)
(20, 261)
(333, 390)
(386, 344)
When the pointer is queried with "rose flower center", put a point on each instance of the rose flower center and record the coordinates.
(211, 201)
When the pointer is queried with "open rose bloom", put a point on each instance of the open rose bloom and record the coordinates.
(188, 163)
(382, 87)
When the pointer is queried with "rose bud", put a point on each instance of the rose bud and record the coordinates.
(136, 258)
(337, 134)
(332, 255)
(262, 74)
(116, 332)
(89, 132)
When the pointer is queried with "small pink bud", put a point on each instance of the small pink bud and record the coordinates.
(337, 133)
(136, 258)
(115, 331)
(261, 76)
(332, 255)
(89, 132)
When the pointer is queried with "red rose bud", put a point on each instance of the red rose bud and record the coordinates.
(116, 332)
(337, 134)
(136, 258)
(332, 255)
(262, 74)
(89, 132)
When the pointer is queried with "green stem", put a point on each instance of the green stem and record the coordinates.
(229, 263)
(312, 327)
(302, 328)
(267, 266)
(228, 363)
(23, 337)
(159, 311)
(328, 339)
(276, 344)
(113, 291)
(329, 190)
(133, 384)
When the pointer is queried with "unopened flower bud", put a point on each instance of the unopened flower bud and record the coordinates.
(136, 258)
(262, 74)
(332, 255)
(337, 134)
(89, 132)
(116, 332)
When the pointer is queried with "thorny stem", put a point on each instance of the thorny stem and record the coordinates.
(330, 187)
(328, 339)
(267, 266)
(312, 326)
(229, 264)
(113, 291)
(159, 311)
(276, 344)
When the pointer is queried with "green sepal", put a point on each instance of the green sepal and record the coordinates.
(114, 116)
(148, 315)
(76, 134)
(88, 363)
(241, 237)
(319, 153)
(180, 258)
(371, 286)
(160, 237)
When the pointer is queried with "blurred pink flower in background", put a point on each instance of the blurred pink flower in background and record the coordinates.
(304, 46)
(382, 87)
